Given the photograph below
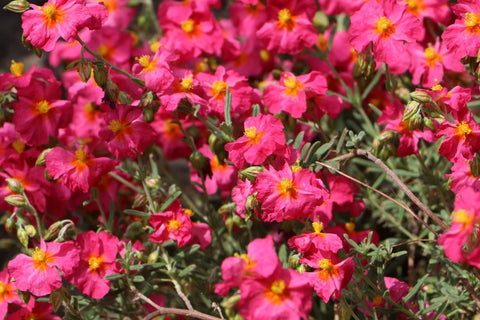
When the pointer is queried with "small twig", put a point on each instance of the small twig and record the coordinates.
(405, 207)
(403, 187)
(181, 294)
(181, 312)
(471, 291)
(162, 310)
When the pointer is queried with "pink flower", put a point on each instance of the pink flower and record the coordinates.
(317, 240)
(155, 70)
(263, 136)
(284, 295)
(39, 112)
(462, 177)
(79, 169)
(38, 273)
(174, 223)
(260, 261)
(8, 294)
(34, 310)
(126, 132)
(290, 27)
(289, 193)
(332, 274)
(292, 93)
(388, 26)
(462, 138)
(44, 25)
(431, 62)
(98, 254)
(438, 10)
(463, 36)
(457, 239)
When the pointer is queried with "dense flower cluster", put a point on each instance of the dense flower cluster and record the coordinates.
(250, 106)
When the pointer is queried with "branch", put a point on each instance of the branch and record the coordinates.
(181, 312)
(402, 205)
(403, 187)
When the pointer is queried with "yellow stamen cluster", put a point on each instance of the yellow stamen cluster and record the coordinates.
(384, 27)
(254, 135)
(277, 292)
(292, 86)
(287, 188)
(432, 57)
(472, 23)
(286, 21)
(52, 15)
(42, 106)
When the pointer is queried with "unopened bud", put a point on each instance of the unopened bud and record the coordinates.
(475, 166)
(251, 203)
(428, 123)
(412, 109)
(100, 74)
(185, 106)
(84, 69)
(301, 268)
(124, 98)
(200, 163)
(139, 201)
(148, 115)
(30, 230)
(17, 6)
(111, 92)
(22, 236)
(293, 261)
(250, 173)
(14, 185)
(227, 208)
(276, 74)
(152, 182)
(416, 122)
(53, 230)
(16, 200)
(41, 158)
(320, 20)
(420, 96)
(402, 93)
(365, 65)
(9, 225)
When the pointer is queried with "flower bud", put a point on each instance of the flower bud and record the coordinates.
(152, 257)
(40, 162)
(320, 20)
(301, 268)
(416, 122)
(111, 93)
(276, 74)
(84, 69)
(475, 166)
(16, 200)
(227, 208)
(14, 185)
(53, 230)
(200, 163)
(250, 173)
(139, 201)
(152, 182)
(100, 74)
(428, 123)
(403, 93)
(364, 66)
(412, 108)
(124, 98)
(148, 115)
(9, 225)
(420, 96)
(22, 236)
(17, 6)
(293, 261)
(30, 230)
(251, 203)
(185, 106)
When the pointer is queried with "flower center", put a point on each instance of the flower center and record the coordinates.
(52, 15)
(16, 68)
(42, 106)
(6, 291)
(253, 135)
(219, 88)
(41, 259)
(174, 225)
(96, 263)
(285, 20)
(147, 65)
(277, 292)
(463, 217)
(187, 83)
(377, 301)
(188, 26)
(328, 271)
(384, 27)
(415, 7)
(287, 188)
(431, 57)
(250, 263)
(463, 130)
(350, 227)
(172, 130)
(216, 166)
(472, 23)
(292, 86)
(317, 227)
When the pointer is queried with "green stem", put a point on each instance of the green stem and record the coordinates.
(125, 182)
(119, 70)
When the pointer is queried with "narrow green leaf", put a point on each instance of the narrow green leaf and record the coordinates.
(415, 289)
(136, 213)
(298, 140)
(187, 270)
(304, 151)
(114, 276)
(256, 110)
(138, 278)
(228, 108)
(170, 200)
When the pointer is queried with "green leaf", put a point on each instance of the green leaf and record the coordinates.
(228, 108)
(256, 110)
(187, 270)
(114, 276)
(136, 213)
(170, 200)
(304, 151)
(298, 140)
(137, 267)
(138, 278)
(415, 289)
(56, 299)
